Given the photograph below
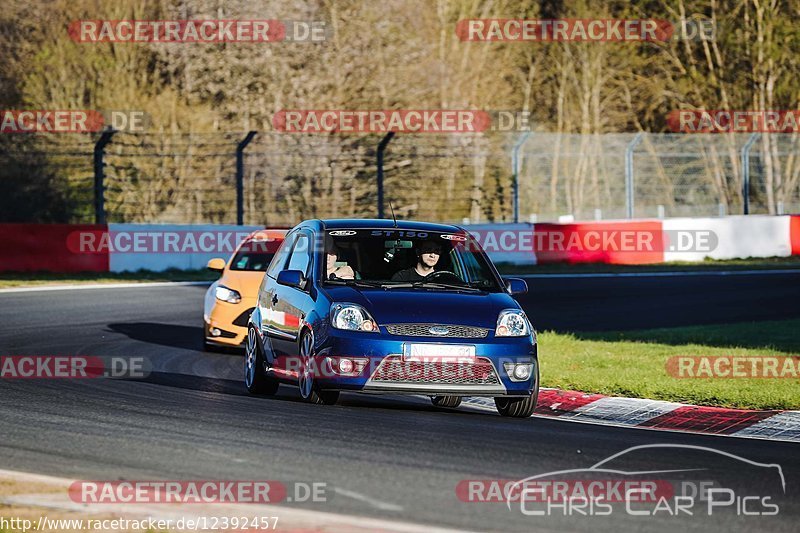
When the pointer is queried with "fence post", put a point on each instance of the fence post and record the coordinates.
(99, 176)
(381, 148)
(629, 192)
(240, 176)
(746, 172)
(515, 169)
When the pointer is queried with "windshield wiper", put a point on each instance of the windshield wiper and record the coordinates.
(403, 285)
(438, 285)
(354, 282)
(430, 285)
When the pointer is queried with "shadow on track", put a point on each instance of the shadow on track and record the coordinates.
(171, 335)
(290, 394)
(624, 304)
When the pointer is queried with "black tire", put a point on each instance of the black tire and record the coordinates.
(206, 345)
(446, 401)
(255, 379)
(523, 406)
(305, 379)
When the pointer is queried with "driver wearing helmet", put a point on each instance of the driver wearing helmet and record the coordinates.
(428, 254)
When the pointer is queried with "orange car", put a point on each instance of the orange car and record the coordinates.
(230, 300)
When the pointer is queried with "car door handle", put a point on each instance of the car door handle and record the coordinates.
(274, 299)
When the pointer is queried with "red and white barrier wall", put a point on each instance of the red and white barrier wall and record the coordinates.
(210, 241)
(641, 241)
(738, 236)
(158, 247)
(45, 247)
(115, 247)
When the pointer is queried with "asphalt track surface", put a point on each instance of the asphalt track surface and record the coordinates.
(396, 458)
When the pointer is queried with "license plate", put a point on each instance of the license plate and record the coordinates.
(451, 353)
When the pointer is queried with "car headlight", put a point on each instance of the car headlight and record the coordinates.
(227, 295)
(512, 323)
(352, 317)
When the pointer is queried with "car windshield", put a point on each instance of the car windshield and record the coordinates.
(403, 258)
(251, 260)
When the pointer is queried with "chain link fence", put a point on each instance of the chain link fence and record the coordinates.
(657, 175)
(46, 178)
(192, 178)
(434, 177)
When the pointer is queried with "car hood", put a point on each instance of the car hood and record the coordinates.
(246, 282)
(397, 306)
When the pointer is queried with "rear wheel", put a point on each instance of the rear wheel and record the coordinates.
(305, 377)
(521, 407)
(446, 401)
(255, 379)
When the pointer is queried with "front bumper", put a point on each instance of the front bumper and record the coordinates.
(388, 372)
(230, 320)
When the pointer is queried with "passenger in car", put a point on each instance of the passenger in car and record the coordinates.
(333, 271)
(428, 253)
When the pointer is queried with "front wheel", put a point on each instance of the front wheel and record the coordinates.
(255, 379)
(446, 401)
(305, 378)
(521, 407)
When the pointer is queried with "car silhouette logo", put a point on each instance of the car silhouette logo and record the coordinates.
(439, 330)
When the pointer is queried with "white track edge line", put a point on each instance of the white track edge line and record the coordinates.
(81, 286)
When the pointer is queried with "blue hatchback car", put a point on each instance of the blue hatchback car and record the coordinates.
(390, 307)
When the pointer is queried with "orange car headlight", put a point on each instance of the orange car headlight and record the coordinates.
(227, 295)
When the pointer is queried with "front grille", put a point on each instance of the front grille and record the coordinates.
(394, 370)
(242, 319)
(424, 330)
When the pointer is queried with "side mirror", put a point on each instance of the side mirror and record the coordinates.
(292, 278)
(216, 264)
(516, 286)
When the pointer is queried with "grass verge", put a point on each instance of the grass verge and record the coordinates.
(634, 363)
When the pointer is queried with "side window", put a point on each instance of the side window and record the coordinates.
(471, 267)
(300, 258)
(457, 267)
(279, 261)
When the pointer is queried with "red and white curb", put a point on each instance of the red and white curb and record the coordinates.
(661, 415)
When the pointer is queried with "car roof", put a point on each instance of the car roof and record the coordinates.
(267, 234)
(382, 223)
